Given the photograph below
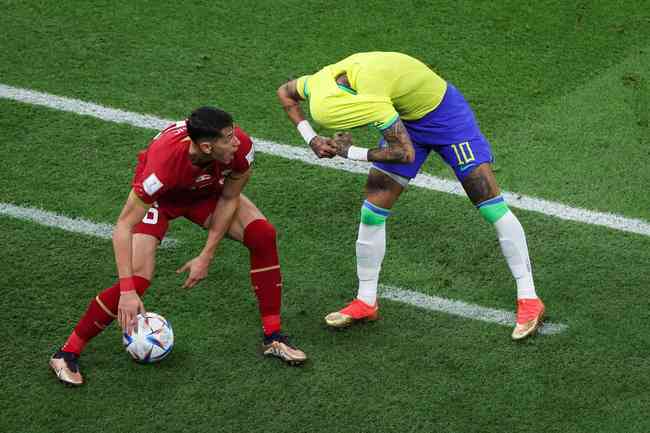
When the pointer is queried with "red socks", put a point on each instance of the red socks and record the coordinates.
(259, 238)
(100, 313)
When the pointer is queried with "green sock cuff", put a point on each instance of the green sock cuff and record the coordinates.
(493, 212)
(372, 218)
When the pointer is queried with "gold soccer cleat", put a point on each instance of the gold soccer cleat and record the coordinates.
(278, 345)
(353, 312)
(66, 367)
(530, 314)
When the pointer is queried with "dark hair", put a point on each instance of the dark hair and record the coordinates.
(207, 123)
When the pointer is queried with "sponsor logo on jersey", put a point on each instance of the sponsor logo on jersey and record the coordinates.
(152, 184)
(203, 178)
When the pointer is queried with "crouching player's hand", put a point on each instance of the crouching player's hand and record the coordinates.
(198, 269)
(127, 309)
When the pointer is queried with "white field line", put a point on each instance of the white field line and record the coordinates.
(302, 154)
(76, 225)
(459, 308)
(433, 303)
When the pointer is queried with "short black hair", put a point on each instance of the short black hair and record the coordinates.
(207, 123)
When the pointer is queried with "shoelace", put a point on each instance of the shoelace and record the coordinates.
(276, 336)
(70, 360)
(526, 313)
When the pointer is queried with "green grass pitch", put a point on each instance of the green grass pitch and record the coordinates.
(561, 90)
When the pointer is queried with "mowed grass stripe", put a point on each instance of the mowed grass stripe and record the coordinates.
(555, 209)
(75, 225)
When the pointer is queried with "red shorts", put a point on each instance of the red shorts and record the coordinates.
(156, 221)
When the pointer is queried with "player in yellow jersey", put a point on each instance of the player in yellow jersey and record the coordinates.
(416, 111)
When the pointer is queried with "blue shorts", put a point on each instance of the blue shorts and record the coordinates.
(452, 131)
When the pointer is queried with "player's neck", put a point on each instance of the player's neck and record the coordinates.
(343, 80)
(197, 157)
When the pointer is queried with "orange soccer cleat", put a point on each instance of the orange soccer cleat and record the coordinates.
(353, 312)
(530, 313)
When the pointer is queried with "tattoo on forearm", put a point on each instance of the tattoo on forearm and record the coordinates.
(292, 92)
(291, 108)
(399, 147)
(290, 101)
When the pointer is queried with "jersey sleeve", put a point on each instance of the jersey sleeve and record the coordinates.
(245, 154)
(302, 86)
(150, 180)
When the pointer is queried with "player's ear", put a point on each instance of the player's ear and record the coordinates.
(205, 146)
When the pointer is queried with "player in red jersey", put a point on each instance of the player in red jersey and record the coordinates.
(196, 169)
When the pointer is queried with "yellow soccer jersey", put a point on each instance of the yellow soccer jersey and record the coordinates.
(384, 87)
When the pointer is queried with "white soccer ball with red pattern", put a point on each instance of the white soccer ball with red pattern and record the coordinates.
(151, 340)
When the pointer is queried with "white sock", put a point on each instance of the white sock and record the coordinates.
(371, 247)
(513, 245)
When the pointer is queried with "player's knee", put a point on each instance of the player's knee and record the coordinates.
(259, 233)
(493, 210)
(144, 254)
(268, 235)
(372, 215)
(479, 183)
(144, 268)
(379, 181)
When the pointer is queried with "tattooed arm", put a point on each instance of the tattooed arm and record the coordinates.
(399, 147)
(290, 101)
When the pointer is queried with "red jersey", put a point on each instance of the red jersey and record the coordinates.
(166, 174)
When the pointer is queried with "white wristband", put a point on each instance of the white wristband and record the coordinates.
(306, 131)
(358, 153)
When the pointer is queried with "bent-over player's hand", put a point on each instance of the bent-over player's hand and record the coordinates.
(342, 143)
(198, 268)
(127, 309)
(323, 147)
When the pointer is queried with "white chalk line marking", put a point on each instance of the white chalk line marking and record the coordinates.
(459, 308)
(433, 303)
(75, 225)
(547, 207)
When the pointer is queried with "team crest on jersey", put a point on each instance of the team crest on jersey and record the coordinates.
(152, 184)
(202, 181)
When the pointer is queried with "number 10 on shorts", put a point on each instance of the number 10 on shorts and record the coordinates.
(463, 152)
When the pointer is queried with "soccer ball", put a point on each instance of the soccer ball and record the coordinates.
(151, 340)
